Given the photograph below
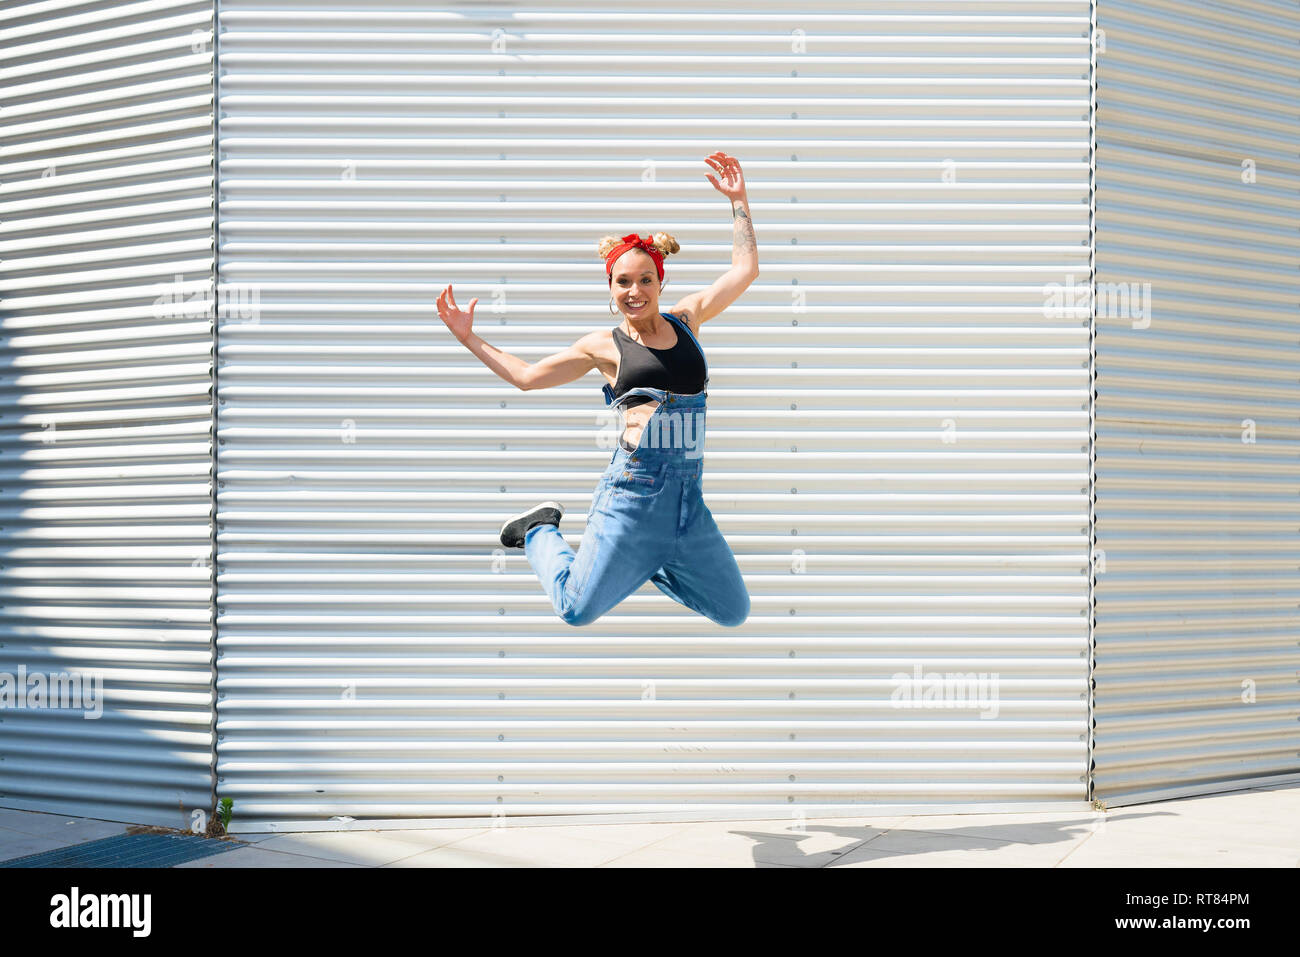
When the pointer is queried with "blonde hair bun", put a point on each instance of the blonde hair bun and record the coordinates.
(606, 246)
(665, 243)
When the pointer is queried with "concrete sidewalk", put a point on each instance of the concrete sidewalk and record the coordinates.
(1259, 827)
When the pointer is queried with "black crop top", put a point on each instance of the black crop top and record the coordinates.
(680, 368)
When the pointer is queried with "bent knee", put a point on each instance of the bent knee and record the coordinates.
(579, 614)
(736, 616)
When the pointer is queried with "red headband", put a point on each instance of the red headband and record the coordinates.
(633, 241)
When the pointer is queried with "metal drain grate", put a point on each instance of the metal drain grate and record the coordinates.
(127, 850)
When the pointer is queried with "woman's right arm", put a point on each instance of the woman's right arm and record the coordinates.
(566, 366)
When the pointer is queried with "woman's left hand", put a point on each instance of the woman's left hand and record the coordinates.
(732, 180)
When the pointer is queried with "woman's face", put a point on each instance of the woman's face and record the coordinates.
(634, 284)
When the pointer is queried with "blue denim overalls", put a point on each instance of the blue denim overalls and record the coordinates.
(647, 522)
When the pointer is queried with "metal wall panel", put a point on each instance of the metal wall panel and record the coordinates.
(899, 426)
(1197, 513)
(106, 279)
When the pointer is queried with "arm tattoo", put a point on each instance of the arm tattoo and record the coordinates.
(742, 233)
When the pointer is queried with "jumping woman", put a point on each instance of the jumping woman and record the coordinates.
(648, 520)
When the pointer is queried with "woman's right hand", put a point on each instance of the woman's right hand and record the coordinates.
(460, 323)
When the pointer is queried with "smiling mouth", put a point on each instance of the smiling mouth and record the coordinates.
(635, 305)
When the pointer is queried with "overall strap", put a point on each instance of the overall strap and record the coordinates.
(659, 395)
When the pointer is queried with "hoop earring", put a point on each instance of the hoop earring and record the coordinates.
(612, 310)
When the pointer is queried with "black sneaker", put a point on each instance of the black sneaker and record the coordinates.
(512, 532)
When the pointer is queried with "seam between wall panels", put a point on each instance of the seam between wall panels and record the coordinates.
(1092, 391)
(212, 435)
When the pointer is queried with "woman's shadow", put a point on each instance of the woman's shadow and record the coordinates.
(783, 848)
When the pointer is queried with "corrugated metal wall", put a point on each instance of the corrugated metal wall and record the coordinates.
(898, 427)
(1198, 374)
(920, 177)
(106, 278)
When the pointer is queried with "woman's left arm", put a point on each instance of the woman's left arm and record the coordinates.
(700, 307)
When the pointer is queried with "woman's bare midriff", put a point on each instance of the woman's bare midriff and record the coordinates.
(634, 420)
